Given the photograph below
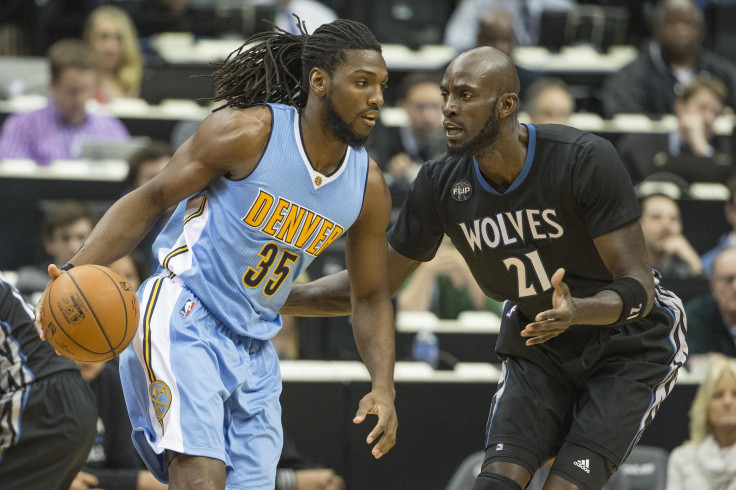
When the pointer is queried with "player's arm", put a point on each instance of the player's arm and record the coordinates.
(624, 253)
(228, 142)
(373, 320)
(330, 295)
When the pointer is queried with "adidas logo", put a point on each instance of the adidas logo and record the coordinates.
(583, 464)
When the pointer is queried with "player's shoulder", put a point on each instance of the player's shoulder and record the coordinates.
(236, 120)
(446, 165)
(566, 135)
(234, 131)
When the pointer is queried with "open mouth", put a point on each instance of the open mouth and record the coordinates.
(369, 117)
(452, 131)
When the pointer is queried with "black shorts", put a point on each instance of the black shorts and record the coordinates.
(598, 387)
(49, 440)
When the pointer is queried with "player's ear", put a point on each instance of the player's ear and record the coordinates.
(508, 104)
(318, 82)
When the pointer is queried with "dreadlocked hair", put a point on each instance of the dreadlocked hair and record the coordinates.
(274, 66)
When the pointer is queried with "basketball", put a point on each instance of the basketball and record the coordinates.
(90, 314)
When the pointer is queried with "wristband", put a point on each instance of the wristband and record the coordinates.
(66, 266)
(634, 298)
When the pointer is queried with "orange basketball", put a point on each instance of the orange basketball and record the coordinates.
(90, 313)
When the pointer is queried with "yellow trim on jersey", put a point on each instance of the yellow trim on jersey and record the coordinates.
(198, 212)
(147, 327)
(173, 254)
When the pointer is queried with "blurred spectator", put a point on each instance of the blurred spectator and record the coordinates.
(64, 230)
(696, 108)
(708, 459)
(143, 165)
(496, 29)
(110, 33)
(312, 12)
(59, 130)
(671, 60)
(462, 29)
(445, 286)
(182, 131)
(16, 28)
(669, 251)
(727, 239)
(711, 318)
(132, 268)
(401, 151)
(548, 100)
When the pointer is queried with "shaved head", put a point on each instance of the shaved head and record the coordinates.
(480, 90)
(491, 66)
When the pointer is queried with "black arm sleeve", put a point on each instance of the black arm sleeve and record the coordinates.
(604, 192)
(418, 231)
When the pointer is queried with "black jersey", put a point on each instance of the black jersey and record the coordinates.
(572, 188)
(24, 357)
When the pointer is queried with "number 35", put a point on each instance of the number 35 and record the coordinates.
(253, 277)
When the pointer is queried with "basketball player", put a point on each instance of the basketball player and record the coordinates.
(48, 413)
(546, 218)
(264, 188)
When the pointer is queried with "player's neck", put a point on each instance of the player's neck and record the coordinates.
(325, 152)
(503, 161)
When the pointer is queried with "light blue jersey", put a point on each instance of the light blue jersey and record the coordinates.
(201, 376)
(239, 244)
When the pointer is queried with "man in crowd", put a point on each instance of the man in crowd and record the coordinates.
(59, 130)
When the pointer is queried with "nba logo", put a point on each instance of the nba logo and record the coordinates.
(511, 311)
(499, 447)
(187, 308)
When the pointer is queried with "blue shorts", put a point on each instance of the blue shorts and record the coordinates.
(193, 386)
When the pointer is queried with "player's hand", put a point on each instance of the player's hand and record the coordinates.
(318, 479)
(551, 323)
(84, 481)
(54, 273)
(381, 403)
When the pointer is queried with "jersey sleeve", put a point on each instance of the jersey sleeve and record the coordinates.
(418, 232)
(603, 190)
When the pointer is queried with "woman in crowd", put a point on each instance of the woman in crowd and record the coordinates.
(708, 460)
(112, 35)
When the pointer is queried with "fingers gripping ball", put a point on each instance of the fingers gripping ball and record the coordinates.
(90, 314)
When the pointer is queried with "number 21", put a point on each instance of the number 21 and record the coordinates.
(526, 289)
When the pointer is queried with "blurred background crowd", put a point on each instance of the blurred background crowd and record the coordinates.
(95, 96)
